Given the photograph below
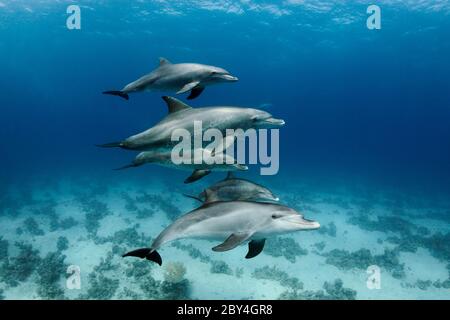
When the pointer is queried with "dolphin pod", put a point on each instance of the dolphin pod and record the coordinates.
(156, 142)
(180, 77)
(233, 211)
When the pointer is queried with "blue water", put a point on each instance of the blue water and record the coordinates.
(359, 104)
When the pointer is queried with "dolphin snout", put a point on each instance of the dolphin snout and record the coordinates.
(305, 224)
(311, 224)
(275, 122)
(229, 77)
(241, 167)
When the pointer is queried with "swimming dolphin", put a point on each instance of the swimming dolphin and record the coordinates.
(233, 188)
(183, 116)
(200, 169)
(180, 77)
(234, 223)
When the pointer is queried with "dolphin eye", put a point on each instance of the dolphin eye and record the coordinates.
(276, 216)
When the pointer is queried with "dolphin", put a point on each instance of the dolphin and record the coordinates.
(180, 77)
(200, 168)
(183, 116)
(233, 223)
(233, 188)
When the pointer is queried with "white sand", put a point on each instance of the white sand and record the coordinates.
(311, 269)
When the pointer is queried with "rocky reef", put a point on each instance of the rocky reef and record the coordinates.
(3, 249)
(320, 245)
(174, 272)
(363, 258)
(284, 247)
(19, 268)
(100, 287)
(128, 237)
(332, 291)
(95, 210)
(218, 266)
(328, 229)
(192, 251)
(31, 226)
(62, 244)
(157, 201)
(275, 274)
(386, 223)
(50, 270)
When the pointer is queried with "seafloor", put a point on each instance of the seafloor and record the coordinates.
(48, 224)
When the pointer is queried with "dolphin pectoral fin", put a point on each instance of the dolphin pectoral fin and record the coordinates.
(145, 253)
(197, 175)
(117, 93)
(232, 242)
(196, 92)
(188, 87)
(254, 248)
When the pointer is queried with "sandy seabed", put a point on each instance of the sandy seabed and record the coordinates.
(45, 227)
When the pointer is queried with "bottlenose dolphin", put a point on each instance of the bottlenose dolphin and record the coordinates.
(232, 189)
(180, 77)
(183, 116)
(234, 223)
(199, 169)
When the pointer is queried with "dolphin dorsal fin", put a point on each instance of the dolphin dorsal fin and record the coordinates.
(163, 61)
(230, 175)
(175, 105)
(208, 196)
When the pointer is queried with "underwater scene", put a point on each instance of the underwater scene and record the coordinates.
(120, 178)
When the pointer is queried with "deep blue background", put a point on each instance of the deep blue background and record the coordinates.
(356, 102)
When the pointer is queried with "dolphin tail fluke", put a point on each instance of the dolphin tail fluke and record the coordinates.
(197, 175)
(145, 253)
(192, 197)
(110, 145)
(117, 93)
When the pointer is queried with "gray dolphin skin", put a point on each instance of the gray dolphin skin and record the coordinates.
(163, 158)
(183, 116)
(232, 223)
(179, 77)
(233, 188)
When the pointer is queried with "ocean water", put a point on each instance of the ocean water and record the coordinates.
(365, 149)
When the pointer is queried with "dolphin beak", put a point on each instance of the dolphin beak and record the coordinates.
(275, 122)
(310, 224)
(229, 77)
(241, 167)
(305, 224)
